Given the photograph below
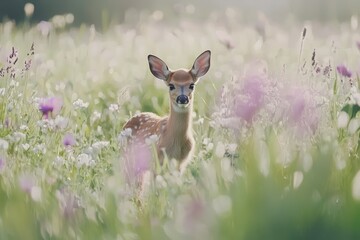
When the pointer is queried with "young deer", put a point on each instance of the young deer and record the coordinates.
(174, 132)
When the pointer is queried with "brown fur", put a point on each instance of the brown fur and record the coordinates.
(175, 137)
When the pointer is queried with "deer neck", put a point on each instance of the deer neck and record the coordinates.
(179, 124)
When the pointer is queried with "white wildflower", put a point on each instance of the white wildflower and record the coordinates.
(298, 178)
(99, 130)
(60, 86)
(100, 145)
(40, 148)
(24, 128)
(59, 160)
(95, 116)
(2, 91)
(60, 122)
(78, 104)
(209, 147)
(14, 83)
(29, 9)
(220, 150)
(231, 148)
(25, 146)
(36, 193)
(343, 119)
(114, 107)
(45, 124)
(124, 135)
(354, 125)
(206, 141)
(152, 139)
(4, 145)
(85, 160)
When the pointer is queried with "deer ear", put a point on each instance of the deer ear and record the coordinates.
(201, 64)
(158, 67)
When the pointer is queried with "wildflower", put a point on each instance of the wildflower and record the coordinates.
(152, 139)
(69, 140)
(251, 97)
(85, 160)
(114, 107)
(124, 135)
(220, 150)
(343, 71)
(343, 120)
(12, 58)
(137, 162)
(59, 160)
(100, 145)
(49, 106)
(4, 145)
(231, 148)
(78, 104)
(14, 83)
(40, 148)
(354, 125)
(25, 146)
(298, 178)
(297, 104)
(29, 9)
(44, 27)
(36, 193)
(24, 128)
(26, 182)
(95, 116)
(60, 122)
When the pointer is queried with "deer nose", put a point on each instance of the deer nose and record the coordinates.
(182, 99)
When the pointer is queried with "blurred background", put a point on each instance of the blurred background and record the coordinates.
(114, 11)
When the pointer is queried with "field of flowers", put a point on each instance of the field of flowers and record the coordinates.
(275, 122)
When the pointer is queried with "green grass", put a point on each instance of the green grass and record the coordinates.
(288, 173)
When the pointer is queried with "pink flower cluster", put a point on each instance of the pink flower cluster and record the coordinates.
(256, 96)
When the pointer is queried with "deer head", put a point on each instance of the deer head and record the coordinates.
(181, 82)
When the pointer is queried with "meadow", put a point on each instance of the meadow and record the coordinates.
(275, 122)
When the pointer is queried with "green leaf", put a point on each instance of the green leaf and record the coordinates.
(351, 109)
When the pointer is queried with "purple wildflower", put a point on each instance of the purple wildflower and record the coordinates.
(69, 140)
(251, 97)
(343, 71)
(137, 162)
(302, 113)
(297, 103)
(50, 105)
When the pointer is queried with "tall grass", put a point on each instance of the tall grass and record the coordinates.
(276, 133)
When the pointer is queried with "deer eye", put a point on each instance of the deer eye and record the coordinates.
(171, 87)
(192, 86)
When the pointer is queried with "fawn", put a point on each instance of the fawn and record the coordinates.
(173, 133)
